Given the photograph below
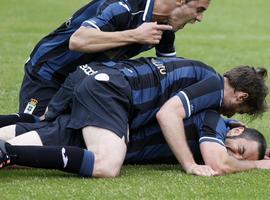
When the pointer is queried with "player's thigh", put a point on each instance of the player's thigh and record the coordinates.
(109, 150)
(7, 132)
(28, 138)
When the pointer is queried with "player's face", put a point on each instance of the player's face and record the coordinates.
(241, 148)
(234, 103)
(229, 110)
(188, 13)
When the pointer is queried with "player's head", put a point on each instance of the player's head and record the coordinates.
(179, 12)
(245, 144)
(246, 91)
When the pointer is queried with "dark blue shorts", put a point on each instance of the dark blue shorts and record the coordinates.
(102, 100)
(54, 133)
(35, 93)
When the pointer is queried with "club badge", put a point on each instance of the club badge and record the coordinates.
(31, 106)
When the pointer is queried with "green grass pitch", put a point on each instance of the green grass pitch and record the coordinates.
(232, 33)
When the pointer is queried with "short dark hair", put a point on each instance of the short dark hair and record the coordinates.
(252, 81)
(254, 135)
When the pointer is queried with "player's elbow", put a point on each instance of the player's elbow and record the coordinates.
(160, 115)
(172, 108)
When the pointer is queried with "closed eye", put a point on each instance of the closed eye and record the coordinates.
(200, 9)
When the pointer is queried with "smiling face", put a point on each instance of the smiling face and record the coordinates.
(241, 148)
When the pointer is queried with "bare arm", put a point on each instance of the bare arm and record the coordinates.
(170, 118)
(216, 156)
(92, 40)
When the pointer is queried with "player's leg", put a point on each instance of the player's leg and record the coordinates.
(104, 157)
(6, 120)
(8, 132)
(29, 138)
(108, 148)
(65, 158)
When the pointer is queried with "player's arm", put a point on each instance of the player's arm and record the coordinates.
(170, 118)
(216, 156)
(91, 40)
(166, 48)
(112, 28)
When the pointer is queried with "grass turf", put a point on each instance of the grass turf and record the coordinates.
(232, 33)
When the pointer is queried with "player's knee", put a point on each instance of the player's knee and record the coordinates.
(107, 168)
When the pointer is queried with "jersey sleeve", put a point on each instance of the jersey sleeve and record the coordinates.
(205, 94)
(213, 128)
(166, 46)
(115, 16)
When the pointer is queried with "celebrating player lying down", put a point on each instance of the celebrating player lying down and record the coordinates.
(211, 139)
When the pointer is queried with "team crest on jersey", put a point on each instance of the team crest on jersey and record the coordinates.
(159, 65)
(88, 70)
(31, 106)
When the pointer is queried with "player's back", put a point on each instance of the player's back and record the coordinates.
(52, 59)
(154, 80)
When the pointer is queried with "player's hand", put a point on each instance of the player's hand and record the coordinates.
(267, 154)
(201, 170)
(150, 32)
(42, 117)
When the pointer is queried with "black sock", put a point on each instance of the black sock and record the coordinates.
(67, 158)
(6, 120)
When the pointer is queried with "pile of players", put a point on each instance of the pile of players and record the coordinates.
(86, 109)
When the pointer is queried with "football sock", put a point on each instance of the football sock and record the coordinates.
(6, 120)
(67, 158)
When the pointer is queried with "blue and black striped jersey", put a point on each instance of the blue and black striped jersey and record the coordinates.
(51, 59)
(147, 144)
(155, 80)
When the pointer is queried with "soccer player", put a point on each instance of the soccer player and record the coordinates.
(206, 131)
(196, 78)
(116, 97)
(103, 30)
(211, 139)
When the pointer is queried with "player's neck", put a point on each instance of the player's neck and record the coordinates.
(228, 89)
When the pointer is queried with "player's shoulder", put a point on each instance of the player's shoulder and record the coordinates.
(211, 114)
(125, 5)
(208, 114)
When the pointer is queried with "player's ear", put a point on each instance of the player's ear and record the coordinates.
(180, 2)
(242, 96)
(236, 131)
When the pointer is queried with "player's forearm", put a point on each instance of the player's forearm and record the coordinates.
(90, 40)
(173, 131)
(232, 165)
